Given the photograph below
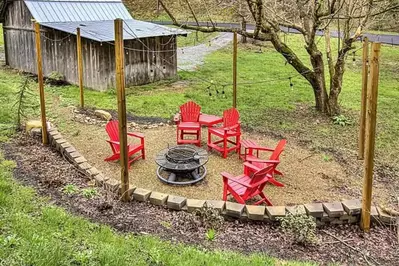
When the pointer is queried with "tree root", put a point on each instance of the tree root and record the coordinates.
(365, 256)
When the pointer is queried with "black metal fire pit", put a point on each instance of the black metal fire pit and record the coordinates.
(182, 165)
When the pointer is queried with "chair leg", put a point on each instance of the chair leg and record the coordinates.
(199, 137)
(209, 140)
(143, 153)
(275, 182)
(114, 157)
(225, 147)
(266, 199)
(238, 143)
(224, 192)
(277, 172)
(177, 135)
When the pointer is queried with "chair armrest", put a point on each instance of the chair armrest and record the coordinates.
(113, 142)
(254, 160)
(260, 148)
(265, 179)
(232, 127)
(232, 178)
(136, 134)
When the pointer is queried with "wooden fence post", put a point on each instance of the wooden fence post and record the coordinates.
(235, 70)
(362, 122)
(372, 95)
(41, 83)
(80, 66)
(120, 86)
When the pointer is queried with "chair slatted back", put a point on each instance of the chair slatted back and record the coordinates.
(279, 149)
(190, 112)
(258, 177)
(112, 129)
(231, 117)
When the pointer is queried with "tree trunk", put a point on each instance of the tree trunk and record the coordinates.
(319, 82)
(336, 84)
(243, 28)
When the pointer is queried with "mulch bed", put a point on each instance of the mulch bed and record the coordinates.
(48, 172)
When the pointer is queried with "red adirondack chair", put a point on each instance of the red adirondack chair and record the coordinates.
(112, 129)
(274, 159)
(229, 133)
(244, 187)
(188, 124)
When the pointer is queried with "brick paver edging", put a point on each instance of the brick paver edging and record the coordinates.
(345, 212)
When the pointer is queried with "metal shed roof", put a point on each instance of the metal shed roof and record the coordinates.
(76, 10)
(103, 31)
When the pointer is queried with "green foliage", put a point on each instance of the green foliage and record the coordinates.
(89, 192)
(326, 158)
(70, 189)
(55, 78)
(341, 120)
(302, 228)
(210, 218)
(166, 224)
(26, 101)
(210, 234)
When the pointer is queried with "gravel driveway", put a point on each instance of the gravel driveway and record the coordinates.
(188, 58)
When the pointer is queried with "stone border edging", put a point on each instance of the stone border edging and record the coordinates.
(334, 213)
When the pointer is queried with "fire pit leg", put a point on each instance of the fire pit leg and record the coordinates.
(196, 175)
(172, 177)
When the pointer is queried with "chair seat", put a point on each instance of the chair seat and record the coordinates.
(220, 132)
(238, 188)
(189, 125)
(133, 148)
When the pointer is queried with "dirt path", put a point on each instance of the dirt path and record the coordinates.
(189, 58)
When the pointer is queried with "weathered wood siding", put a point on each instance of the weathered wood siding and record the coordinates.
(59, 54)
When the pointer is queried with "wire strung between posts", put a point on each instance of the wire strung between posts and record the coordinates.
(212, 83)
(53, 40)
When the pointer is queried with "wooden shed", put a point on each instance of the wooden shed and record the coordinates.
(150, 49)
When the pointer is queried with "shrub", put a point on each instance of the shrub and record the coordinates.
(210, 218)
(89, 193)
(341, 120)
(56, 78)
(70, 189)
(302, 228)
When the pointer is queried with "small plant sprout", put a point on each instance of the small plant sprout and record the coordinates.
(166, 224)
(89, 193)
(70, 189)
(326, 158)
(341, 120)
(210, 234)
